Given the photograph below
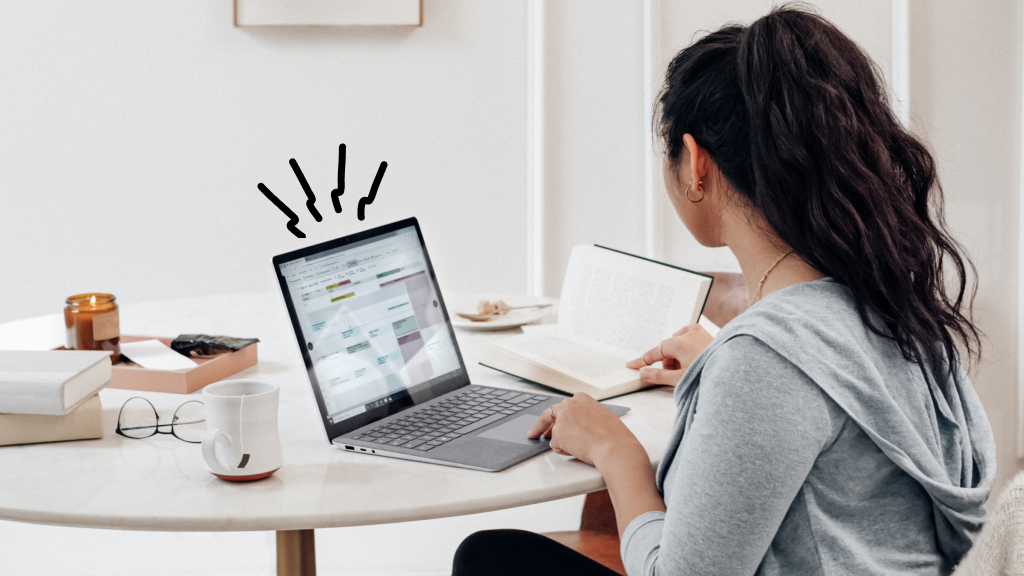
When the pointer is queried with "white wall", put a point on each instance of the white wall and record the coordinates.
(593, 130)
(133, 134)
(965, 75)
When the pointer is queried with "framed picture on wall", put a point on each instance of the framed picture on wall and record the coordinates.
(261, 13)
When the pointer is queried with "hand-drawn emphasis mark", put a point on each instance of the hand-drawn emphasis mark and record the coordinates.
(310, 197)
(292, 218)
(337, 192)
(373, 191)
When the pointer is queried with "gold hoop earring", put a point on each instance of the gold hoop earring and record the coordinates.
(687, 193)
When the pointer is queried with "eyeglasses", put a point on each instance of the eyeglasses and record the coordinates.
(139, 419)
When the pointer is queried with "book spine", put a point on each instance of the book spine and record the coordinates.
(84, 422)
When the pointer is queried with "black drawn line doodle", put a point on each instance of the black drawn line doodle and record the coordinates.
(292, 218)
(337, 192)
(373, 191)
(310, 198)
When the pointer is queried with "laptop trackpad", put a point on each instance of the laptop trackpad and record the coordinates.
(513, 431)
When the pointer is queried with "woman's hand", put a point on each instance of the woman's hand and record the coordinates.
(583, 428)
(675, 354)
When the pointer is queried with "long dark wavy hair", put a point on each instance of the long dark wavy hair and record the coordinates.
(796, 118)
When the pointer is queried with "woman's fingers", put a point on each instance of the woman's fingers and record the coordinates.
(650, 357)
(556, 448)
(667, 363)
(560, 452)
(661, 377)
(676, 352)
(684, 330)
(667, 351)
(543, 425)
(636, 364)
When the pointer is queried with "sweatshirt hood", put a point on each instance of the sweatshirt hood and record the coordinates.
(929, 422)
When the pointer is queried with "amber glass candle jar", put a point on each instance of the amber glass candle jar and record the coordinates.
(93, 323)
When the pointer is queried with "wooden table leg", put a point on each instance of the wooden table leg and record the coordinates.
(296, 554)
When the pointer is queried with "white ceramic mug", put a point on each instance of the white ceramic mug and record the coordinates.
(241, 442)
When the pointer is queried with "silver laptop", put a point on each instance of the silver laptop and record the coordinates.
(382, 358)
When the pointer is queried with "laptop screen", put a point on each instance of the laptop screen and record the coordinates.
(373, 328)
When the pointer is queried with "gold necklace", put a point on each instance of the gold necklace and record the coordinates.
(760, 285)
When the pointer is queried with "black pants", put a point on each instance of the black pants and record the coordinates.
(521, 553)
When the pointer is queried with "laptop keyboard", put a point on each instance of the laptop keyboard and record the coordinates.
(453, 417)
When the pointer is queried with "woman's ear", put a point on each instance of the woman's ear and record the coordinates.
(698, 162)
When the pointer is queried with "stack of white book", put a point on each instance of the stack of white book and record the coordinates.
(51, 396)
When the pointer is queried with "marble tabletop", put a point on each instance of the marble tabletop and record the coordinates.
(160, 483)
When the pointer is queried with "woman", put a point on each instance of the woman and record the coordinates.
(831, 428)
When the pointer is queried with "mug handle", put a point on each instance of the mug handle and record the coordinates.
(210, 450)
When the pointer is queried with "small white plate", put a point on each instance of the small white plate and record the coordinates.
(513, 319)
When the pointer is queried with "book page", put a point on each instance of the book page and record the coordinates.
(599, 365)
(626, 301)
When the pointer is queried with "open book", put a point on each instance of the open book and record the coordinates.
(614, 307)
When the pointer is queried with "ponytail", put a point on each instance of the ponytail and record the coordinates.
(795, 116)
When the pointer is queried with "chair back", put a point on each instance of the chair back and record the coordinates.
(999, 549)
(728, 298)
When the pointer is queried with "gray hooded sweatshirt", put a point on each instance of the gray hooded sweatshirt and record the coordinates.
(806, 444)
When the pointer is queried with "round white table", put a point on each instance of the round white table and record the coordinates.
(160, 483)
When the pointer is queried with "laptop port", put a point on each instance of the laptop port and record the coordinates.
(347, 447)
